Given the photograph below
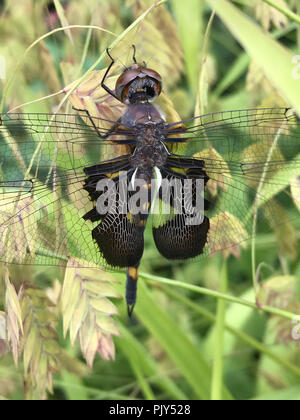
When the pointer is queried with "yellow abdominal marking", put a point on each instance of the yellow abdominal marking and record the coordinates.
(133, 273)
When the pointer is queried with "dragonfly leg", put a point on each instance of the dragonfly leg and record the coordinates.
(134, 54)
(103, 85)
(108, 133)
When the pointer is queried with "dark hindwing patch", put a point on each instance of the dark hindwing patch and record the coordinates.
(177, 237)
(118, 236)
(176, 240)
(120, 241)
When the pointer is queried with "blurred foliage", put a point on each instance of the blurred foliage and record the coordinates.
(166, 353)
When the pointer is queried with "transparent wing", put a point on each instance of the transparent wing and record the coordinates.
(252, 159)
(42, 200)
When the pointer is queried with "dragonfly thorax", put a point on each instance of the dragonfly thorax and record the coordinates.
(150, 150)
(142, 115)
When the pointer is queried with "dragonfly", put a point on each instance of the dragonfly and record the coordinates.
(55, 169)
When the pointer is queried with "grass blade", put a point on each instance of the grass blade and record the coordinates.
(217, 378)
(275, 60)
(186, 357)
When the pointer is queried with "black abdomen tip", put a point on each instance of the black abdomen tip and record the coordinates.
(131, 289)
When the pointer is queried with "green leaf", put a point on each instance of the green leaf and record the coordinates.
(275, 60)
(218, 368)
(290, 394)
(184, 354)
(63, 20)
(137, 354)
(190, 16)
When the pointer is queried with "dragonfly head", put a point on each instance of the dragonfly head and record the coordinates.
(138, 84)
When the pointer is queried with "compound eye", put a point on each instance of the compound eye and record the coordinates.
(138, 84)
(125, 80)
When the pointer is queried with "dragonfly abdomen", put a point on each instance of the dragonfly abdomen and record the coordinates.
(131, 288)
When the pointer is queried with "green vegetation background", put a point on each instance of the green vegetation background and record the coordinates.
(184, 343)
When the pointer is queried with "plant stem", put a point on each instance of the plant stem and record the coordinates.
(217, 376)
(22, 59)
(242, 336)
(285, 11)
(264, 308)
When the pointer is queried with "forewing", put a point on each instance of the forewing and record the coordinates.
(42, 199)
(252, 158)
